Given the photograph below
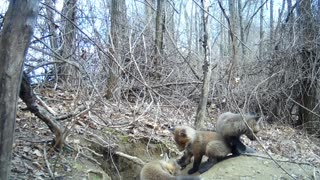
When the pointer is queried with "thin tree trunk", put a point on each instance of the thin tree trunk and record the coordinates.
(244, 52)
(190, 38)
(118, 32)
(67, 72)
(148, 10)
(271, 26)
(309, 91)
(14, 41)
(51, 25)
(290, 21)
(233, 61)
(207, 69)
(196, 29)
(222, 38)
(279, 24)
(232, 17)
(53, 35)
(169, 21)
(159, 26)
(261, 32)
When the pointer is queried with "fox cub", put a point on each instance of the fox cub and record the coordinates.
(199, 143)
(165, 169)
(231, 126)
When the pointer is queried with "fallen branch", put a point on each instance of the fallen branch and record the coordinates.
(79, 111)
(28, 97)
(132, 158)
(176, 84)
(46, 160)
(42, 103)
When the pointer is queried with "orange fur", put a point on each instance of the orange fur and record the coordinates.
(199, 143)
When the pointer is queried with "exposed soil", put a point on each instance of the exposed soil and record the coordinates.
(250, 167)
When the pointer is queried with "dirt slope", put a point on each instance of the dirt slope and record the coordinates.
(251, 167)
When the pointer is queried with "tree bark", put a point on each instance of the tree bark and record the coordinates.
(159, 26)
(149, 13)
(231, 24)
(118, 32)
(233, 31)
(309, 92)
(207, 69)
(52, 26)
(271, 26)
(197, 31)
(290, 21)
(14, 41)
(67, 72)
(244, 50)
(222, 38)
(261, 32)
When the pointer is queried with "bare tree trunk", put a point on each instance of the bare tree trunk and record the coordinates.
(67, 72)
(207, 69)
(148, 10)
(159, 29)
(191, 31)
(309, 84)
(51, 25)
(14, 41)
(232, 17)
(279, 24)
(271, 26)
(231, 23)
(53, 35)
(196, 29)
(222, 38)
(169, 22)
(290, 21)
(318, 13)
(261, 32)
(118, 32)
(244, 52)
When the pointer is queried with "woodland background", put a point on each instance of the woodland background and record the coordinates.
(202, 58)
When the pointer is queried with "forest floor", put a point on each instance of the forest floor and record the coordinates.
(115, 126)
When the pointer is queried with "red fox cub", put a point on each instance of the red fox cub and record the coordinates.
(164, 169)
(199, 143)
(231, 127)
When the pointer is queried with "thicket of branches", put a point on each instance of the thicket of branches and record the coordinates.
(150, 52)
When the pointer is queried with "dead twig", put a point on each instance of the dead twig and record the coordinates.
(44, 104)
(132, 158)
(176, 84)
(79, 111)
(46, 160)
(80, 153)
